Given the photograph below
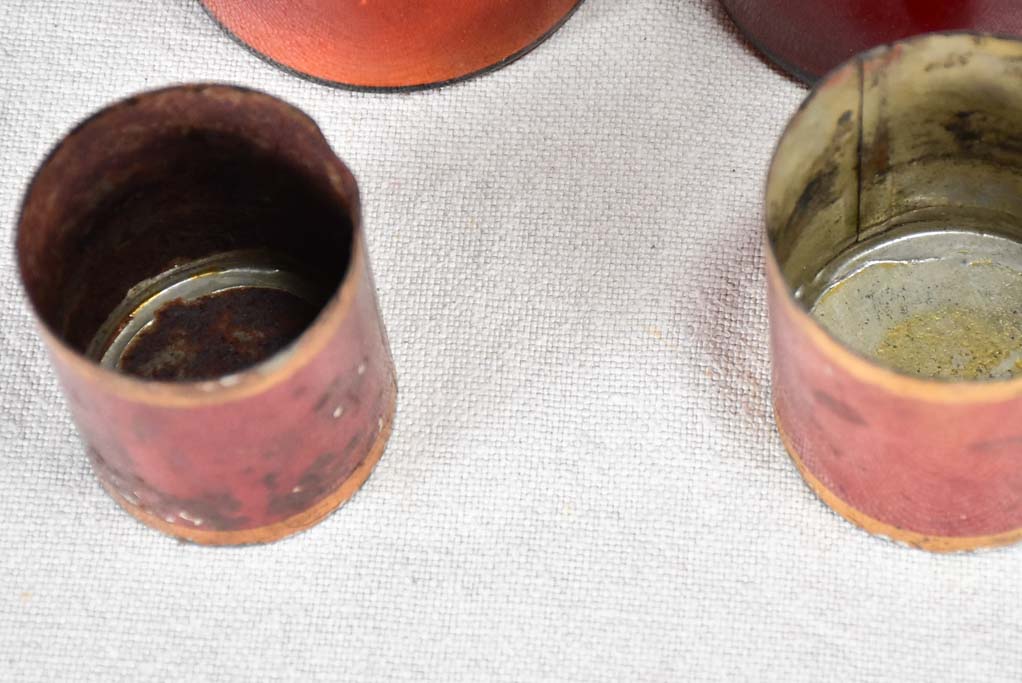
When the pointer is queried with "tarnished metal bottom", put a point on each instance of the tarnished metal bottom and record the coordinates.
(942, 304)
(208, 318)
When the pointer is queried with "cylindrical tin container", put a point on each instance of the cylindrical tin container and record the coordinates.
(894, 230)
(197, 261)
(808, 38)
(392, 45)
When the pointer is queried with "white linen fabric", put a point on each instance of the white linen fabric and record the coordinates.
(584, 482)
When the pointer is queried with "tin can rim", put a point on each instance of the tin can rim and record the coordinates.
(256, 378)
(864, 368)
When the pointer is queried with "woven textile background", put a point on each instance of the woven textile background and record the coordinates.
(584, 482)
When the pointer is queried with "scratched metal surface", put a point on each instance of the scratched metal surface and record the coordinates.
(584, 481)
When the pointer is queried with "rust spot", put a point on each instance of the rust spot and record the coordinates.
(353, 398)
(961, 127)
(217, 511)
(323, 468)
(839, 408)
(1012, 442)
(330, 396)
(819, 192)
(325, 474)
(322, 403)
(217, 334)
(878, 151)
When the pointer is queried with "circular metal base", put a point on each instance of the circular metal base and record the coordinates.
(394, 45)
(932, 302)
(208, 318)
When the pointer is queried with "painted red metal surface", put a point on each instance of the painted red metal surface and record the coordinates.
(395, 44)
(253, 456)
(934, 467)
(811, 37)
(252, 465)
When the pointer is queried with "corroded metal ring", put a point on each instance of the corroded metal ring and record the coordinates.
(197, 262)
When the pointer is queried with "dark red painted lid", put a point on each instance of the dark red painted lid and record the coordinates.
(810, 37)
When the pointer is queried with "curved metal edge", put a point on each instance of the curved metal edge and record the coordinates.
(278, 530)
(875, 527)
(393, 89)
(798, 75)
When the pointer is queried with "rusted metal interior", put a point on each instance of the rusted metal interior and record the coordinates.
(894, 207)
(164, 191)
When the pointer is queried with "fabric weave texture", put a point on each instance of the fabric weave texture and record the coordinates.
(584, 482)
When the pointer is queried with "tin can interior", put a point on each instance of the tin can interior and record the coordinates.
(894, 207)
(186, 234)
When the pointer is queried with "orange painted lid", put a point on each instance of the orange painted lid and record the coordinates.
(391, 44)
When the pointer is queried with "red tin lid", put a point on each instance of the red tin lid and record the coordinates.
(808, 38)
(391, 44)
